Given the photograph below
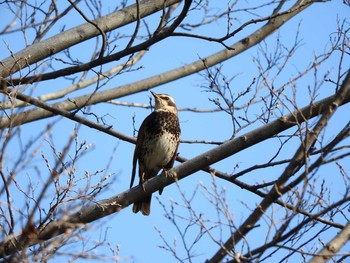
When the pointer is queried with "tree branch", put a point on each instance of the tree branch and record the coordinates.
(116, 203)
(333, 246)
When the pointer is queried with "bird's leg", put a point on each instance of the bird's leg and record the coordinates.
(165, 171)
(142, 181)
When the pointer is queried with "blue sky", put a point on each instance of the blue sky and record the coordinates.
(135, 234)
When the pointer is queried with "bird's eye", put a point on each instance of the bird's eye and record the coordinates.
(166, 98)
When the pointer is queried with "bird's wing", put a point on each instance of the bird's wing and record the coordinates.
(136, 156)
(139, 141)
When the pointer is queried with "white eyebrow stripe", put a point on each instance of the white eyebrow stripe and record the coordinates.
(167, 96)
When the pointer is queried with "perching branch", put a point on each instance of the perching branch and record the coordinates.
(116, 203)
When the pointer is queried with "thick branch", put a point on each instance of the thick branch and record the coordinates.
(14, 244)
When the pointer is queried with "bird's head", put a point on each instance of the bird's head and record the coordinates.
(164, 102)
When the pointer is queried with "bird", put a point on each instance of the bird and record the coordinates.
(156, 145)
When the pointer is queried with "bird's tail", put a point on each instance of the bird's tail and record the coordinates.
(143, 205)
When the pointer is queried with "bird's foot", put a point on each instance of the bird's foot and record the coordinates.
(170, 174)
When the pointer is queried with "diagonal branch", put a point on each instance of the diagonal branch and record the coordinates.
(116, 203)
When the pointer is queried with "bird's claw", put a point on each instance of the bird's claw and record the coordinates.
(170, 174)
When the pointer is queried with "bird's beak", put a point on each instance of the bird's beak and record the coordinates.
(155, 95)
